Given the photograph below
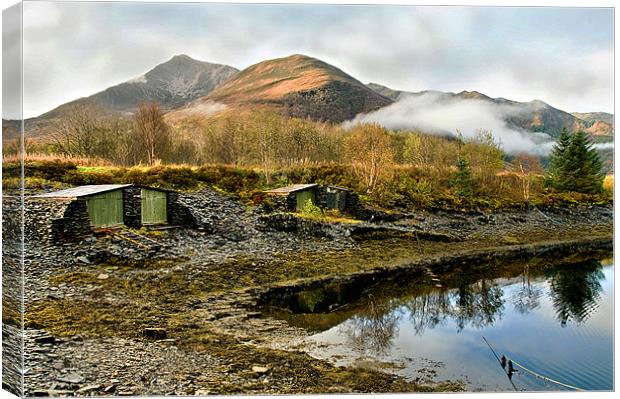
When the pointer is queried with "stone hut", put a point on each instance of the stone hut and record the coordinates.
(79, 211)
(292, 198)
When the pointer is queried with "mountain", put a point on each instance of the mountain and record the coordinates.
(296, 85)
(172, 84)
(594, 117)
(536, 115)
(597, 123)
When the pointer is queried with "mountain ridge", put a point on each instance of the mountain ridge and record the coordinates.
(535, 115)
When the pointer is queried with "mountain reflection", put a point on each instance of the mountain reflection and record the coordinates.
(574, 291)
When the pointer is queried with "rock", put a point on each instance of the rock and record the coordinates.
(110, 388)
(260, 369)
(103, 276)
(88, 388)
(155, 333)
(83, 259)
(71, 378)
(58, 365)
(45, 339)
(202, 392)
(40, 392)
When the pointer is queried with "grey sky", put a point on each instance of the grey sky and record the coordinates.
(559, 55)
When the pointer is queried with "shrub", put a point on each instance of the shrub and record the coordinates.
(311, 211)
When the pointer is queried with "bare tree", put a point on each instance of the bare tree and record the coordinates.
(152, 132)
(369, 150)
(79, 132)
(526, 167)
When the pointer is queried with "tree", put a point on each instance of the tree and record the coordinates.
(369, 150)
(153, 133)
(575, 165)
(462, 184)
(557, 157)
(79, 132)
(526, 167)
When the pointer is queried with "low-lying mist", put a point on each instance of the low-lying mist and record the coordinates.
(438, 113)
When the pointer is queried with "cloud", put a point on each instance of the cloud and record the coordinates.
(438, 113)
(604, 146)
(563, 56)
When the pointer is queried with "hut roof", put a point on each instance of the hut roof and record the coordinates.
(82, 191)
(338, 188)
(290, 189)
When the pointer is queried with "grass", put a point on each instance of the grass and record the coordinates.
(411, 188)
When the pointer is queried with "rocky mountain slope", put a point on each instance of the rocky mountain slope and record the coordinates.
(298, 86)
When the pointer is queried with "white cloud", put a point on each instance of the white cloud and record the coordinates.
(561, 56)
(438, 114)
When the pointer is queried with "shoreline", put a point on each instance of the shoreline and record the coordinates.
(192, 315)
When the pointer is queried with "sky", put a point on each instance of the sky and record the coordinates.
(563, 56)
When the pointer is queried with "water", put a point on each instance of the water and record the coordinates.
(557, 321)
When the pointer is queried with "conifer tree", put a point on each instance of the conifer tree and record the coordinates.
(556, 159)
(575, 165)
(462, 183)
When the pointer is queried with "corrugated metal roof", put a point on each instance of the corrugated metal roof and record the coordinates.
(290, 189)
(82, 191)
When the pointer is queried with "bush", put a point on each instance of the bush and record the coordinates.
(311, 211)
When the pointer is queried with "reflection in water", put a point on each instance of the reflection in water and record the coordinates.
(372, 332)
(527, 297)
(479, 305)
(575, 290)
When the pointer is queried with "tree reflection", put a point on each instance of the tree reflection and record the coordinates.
(478, 304)
(527, 297)
(575, 290)
(374, 330)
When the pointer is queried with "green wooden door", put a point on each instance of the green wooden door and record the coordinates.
(106, 209)
(303, 197)
(154, 206)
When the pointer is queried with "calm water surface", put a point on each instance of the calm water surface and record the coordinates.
(557, 321)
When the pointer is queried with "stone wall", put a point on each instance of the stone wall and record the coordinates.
(290, 223)
(180, 214)
(132, 207)
(54, 219)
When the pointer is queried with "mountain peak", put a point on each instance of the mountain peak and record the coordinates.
(300, 86)
(182, 57)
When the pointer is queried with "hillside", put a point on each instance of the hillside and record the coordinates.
(598, 123)
(298, 86)
(536, 115)
(172, 84)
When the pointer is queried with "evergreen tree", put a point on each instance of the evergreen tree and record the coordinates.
(575, 165)
(462, 184)
(556, 159)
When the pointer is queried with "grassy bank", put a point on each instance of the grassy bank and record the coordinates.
(406, 188)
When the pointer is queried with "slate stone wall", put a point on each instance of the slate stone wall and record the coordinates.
(132, 207)
(308, 228)
(55, 219)
(180, 214)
